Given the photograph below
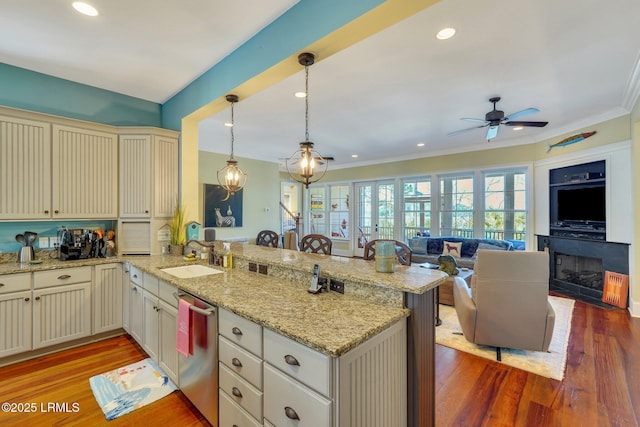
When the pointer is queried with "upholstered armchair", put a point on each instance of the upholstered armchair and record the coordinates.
(507, 304)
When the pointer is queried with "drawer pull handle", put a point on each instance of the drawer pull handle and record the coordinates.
(291, 413)
(37, 298)
(135, 276)
(236, 331)
(134, 289)
(64, 277)
(46, 212)
(236, 362)
(291, 360)
(1, 285)
(26, 299)
(236, 392)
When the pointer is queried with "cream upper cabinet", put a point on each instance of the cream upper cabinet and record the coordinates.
(25, 169)
(84, 166)
(148, 173)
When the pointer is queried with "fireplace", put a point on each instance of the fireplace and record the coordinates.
(577, 266)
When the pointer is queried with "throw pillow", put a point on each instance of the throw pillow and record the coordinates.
(452, 248)
(490, 247)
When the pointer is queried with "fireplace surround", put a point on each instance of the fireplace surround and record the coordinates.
(577, 266)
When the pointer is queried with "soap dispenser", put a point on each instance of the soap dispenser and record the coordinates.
(227, 258)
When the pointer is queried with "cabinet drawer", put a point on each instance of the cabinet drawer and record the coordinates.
(241, 362)
(232, 415)
(150, 283)
(63, 276)
(241, 331)
(15, 282)
(135, 275)
(302, 363)
(285, 399)
(166, 291)
(243, 393)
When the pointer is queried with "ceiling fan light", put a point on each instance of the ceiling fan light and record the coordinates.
(446, 33)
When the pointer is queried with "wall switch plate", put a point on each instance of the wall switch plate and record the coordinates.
(53, 241)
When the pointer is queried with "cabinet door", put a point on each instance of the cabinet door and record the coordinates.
(136, 312)
(15, 328)
(125, 297)
(150, 328)
(107, 298)
(25, 169)
(167, 353)
(85, 180)
(165, 177)
(135, 176)
(61, 313)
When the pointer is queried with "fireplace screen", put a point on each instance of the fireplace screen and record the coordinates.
(579, 270)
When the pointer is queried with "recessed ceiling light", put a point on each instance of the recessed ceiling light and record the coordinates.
(300, 94)
(85, 8)
(228, 124)
(420, 144)
(354, 156)
(518, 127)
(446, 33)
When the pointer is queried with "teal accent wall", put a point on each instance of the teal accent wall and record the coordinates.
(29, 90)
(303, 24)
(8, 231)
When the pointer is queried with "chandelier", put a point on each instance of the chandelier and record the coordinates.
(306, 165)
(231, 177)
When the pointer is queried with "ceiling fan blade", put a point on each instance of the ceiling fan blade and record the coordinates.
(465, 130)
(468, 119)
(521, 113)
(492, 132)
(531, 124)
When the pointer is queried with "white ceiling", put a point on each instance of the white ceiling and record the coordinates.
(575, 60)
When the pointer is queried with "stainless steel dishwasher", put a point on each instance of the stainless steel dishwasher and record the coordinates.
(199, 372)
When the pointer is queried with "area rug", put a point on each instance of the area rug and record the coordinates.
(122, 390)
(550, 365)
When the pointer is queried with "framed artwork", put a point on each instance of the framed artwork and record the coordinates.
(220, 208)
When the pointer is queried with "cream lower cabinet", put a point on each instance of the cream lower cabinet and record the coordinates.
(275, 381)
(135, 307)
(107, 297)
(160, 324)
(15, 312)
(61, 305)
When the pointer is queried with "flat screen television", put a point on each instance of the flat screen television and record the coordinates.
(582, 205)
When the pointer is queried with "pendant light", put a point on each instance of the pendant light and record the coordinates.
(306, 165)
(231, 177)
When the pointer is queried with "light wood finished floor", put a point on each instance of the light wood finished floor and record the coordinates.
(601, 386)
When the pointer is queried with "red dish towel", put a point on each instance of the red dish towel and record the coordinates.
(184, 341)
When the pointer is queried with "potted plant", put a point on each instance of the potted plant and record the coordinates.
(177, 230)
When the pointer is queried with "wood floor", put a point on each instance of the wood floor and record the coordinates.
(601, 386)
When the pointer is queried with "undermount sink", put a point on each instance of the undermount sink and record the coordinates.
(190, 271)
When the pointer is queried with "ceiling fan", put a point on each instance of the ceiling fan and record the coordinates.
(493, 119)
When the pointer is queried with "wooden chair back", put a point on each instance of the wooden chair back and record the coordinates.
(316, 243)
(267, 238)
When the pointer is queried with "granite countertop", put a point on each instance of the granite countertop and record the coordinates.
(329, 322)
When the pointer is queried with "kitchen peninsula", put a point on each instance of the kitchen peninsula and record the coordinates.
(274, 296)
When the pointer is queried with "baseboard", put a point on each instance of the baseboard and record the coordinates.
(634, 309)
(21, 357)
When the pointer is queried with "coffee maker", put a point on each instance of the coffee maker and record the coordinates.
(75, 243)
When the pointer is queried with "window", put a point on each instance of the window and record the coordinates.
(456, 206)
(417, 206)
(317, 217)
(329, 215)
(505, 205)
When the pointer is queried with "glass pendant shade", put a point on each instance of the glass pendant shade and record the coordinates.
(231, 177)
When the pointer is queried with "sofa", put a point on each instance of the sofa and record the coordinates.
(428, 249)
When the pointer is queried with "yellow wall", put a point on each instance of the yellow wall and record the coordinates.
(261, 192)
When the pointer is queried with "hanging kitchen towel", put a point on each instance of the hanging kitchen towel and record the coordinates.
(184, 341)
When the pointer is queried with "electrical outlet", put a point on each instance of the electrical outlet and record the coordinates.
(323, 282)
(53, 241)
(262, 269)
(253, 267)
(337, 286)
